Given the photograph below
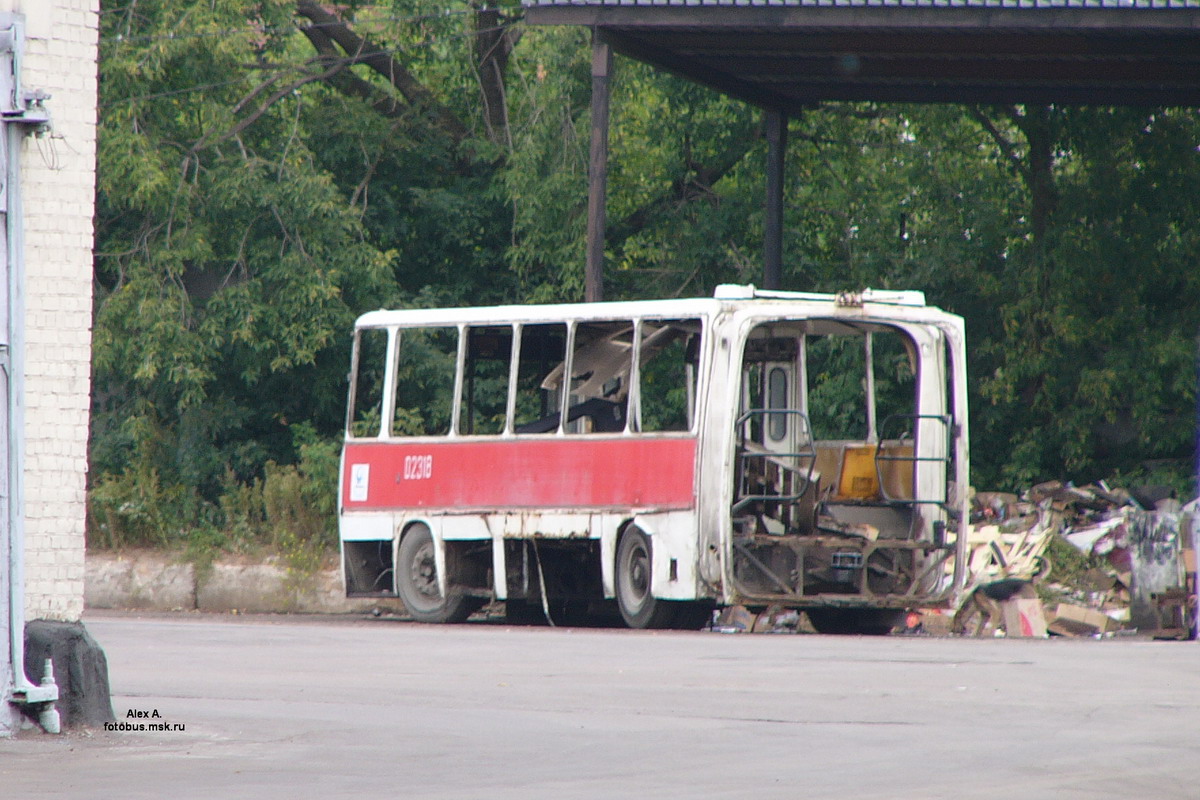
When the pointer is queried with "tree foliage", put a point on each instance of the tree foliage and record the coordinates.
(268, 169)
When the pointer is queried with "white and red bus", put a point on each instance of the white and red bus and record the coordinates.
(664, 457)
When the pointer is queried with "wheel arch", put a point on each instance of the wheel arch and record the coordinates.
(610, 542)
(403, 529)
(675, 553)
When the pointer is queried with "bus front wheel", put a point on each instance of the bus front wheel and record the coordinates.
(638, 606)
(417, 581)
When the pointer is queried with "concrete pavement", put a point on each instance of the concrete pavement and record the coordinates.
(295, 707)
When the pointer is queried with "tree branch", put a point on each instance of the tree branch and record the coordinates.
(346, 81)
(362, 51)
(1006, 147)
(1035, 123)
(245, 122)
(492, 46)
(696, 182)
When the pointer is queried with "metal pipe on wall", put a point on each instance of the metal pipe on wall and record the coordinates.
(21, 115)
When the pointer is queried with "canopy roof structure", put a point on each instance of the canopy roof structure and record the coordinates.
(788, 55)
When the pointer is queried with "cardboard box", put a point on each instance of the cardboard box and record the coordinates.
(734, 619)
(1072, 620)
(1023, 618)
(936, 622)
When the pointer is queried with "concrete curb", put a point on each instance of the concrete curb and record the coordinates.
(151, 580)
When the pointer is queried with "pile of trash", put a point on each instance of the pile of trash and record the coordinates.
(1141, 578)
(1135, 572)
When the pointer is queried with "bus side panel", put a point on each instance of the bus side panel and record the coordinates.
(366, 527)
(628, 472)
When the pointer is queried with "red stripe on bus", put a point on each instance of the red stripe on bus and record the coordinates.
(522, 473)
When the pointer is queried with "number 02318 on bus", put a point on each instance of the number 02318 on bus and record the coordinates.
(659, 458)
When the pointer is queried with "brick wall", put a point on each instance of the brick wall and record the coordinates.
(58, 180)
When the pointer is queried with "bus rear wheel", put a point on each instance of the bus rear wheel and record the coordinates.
(638, 606)
(417, 581)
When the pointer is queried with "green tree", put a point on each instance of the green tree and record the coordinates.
(1094, 376)
(268, 169)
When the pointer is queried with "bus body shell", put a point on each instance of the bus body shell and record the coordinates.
(716, 503)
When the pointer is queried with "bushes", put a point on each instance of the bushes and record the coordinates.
(134, 509)
(291, 509)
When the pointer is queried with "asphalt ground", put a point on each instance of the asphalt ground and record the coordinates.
(306, 707)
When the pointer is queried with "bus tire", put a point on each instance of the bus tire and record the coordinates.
(417, 581)
(638, 606)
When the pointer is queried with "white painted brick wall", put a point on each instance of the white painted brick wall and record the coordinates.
(58, 181)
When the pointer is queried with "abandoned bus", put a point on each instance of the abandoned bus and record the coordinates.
(663, 457)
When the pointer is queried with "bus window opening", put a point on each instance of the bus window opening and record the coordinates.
(425, 365)
(669, 366)
(485, 380)
(369, 361)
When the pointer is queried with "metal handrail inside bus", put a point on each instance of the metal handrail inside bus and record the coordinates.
(776, 458)
(914, 459)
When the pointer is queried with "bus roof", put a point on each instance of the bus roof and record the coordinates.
(726, 297)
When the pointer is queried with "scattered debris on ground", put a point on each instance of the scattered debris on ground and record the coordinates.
(1006, 548)
(774, 619)
(1127, 568)
(1059, 560)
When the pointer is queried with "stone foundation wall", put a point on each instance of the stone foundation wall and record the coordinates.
(148, 580)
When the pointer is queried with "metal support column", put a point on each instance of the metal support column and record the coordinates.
(593, 276)
(1192, 536)
(776, 130)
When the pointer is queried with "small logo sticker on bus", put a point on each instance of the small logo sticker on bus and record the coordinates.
(360, 478)
(418, 468)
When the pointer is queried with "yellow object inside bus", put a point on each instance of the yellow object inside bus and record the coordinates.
(858, 480)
